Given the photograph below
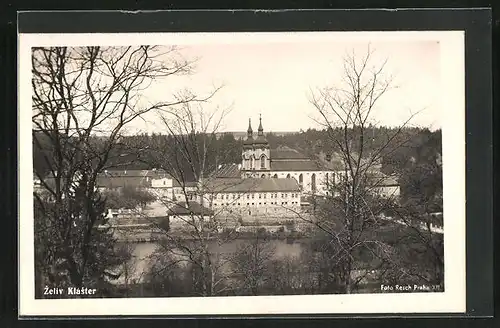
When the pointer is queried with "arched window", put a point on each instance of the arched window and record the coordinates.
(327, 182)
(263, 162)
(301, 179)
(313, 182)
(275, 176)
(288, 176)
(263, 176)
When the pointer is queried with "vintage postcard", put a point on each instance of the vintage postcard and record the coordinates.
(241, 173)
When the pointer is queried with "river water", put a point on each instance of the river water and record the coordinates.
(281, 249)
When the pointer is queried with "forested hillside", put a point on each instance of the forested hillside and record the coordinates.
(414, 157)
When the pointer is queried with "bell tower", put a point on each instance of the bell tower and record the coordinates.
(260, 132)
(262, 152)
(247, 155)
(249, 131)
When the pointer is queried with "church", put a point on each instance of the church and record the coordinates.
(283, 172)
(268, 184)
(260, 161)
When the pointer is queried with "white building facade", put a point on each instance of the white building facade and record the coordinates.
(259, 161)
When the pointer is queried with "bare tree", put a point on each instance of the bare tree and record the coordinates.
(349, 219)
(83, 98)
(419, 241)
(127, 271)
(419, 248)
(188, 155)
(250, 265)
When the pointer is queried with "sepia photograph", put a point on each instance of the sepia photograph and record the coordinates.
(223, 173)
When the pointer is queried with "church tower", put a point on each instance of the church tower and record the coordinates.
(256, 157)
(260, 132)
(250, 131)
(247, 158)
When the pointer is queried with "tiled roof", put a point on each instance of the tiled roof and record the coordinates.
(248, 141)
(286, 153)
(122, 181)
(134, 178)
(333, 166)
(252, 185)
(188, 209)
(227, 171)
(136, 173)
(293, 165)
(261, 140)
(129, 178)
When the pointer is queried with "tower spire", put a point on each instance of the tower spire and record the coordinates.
(250, 131)
(261, 130)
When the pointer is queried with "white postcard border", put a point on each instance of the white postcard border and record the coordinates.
(453, 129)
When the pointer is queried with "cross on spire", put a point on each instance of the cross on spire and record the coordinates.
(261, 130)
(250, 131)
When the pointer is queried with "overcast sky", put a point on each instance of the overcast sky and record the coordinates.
(275, 78)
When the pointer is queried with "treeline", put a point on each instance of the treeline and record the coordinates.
(421, 144)
(411, 153)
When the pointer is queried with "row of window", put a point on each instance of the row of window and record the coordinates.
(253, 204)
(301, 175)
(262, 162)
(260, 196)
